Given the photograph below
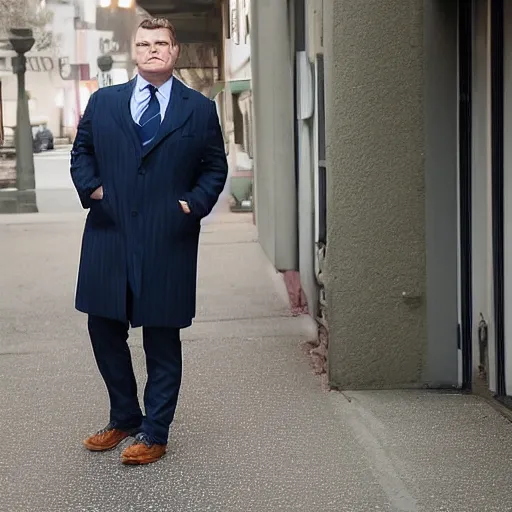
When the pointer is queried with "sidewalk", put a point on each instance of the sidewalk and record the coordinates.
(254, 432)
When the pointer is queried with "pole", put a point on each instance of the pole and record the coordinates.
(105, 63)
(25, 173)
(25, 197)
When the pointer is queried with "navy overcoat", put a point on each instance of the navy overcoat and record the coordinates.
(138, 235)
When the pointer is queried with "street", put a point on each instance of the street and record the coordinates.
(55, 193)
(255, 428)
(52, 168)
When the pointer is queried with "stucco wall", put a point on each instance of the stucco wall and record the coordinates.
(376, 193)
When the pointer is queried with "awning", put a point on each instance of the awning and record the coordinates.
(238, 86)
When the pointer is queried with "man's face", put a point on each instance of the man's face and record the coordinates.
(156, 53)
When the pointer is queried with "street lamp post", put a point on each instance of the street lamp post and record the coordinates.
(22, 41)
(105, 63)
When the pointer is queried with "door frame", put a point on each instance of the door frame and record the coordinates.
(497, 159)
(465, 65)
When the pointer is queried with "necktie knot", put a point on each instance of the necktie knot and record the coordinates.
(152, 90)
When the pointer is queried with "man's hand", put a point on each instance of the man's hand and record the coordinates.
(97, 194)
(184, 207)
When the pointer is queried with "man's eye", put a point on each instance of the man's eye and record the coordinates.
(162, 43)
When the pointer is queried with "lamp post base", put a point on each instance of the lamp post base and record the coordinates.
(18, 201)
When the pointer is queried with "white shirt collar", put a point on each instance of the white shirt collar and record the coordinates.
(164, 89)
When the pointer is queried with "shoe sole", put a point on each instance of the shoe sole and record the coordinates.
(95, 448)
(137, 462)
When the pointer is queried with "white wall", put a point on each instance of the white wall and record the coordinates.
(43, 80)
(44, 89)
(88, 8)
(272, 78)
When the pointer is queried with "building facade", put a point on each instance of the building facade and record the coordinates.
(382, 176)
(52, 95)
(62, 69)
(236, 99)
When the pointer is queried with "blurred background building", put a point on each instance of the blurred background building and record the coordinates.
(62, 67)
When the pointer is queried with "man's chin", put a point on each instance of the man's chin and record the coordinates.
(153, 69)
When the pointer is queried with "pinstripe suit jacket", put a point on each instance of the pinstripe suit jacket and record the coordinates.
(138, 233)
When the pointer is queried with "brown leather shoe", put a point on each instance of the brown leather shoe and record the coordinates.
(105, 439)
(143, 451)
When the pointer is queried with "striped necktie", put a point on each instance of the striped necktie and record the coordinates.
(150, 119)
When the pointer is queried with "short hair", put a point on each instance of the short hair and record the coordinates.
(156, 23)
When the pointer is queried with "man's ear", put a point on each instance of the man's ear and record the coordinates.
(177, 48)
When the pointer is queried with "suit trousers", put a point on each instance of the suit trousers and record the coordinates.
(162, 346)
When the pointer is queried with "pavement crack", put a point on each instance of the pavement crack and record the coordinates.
(17, 353)
(245, 318)
(240, 242)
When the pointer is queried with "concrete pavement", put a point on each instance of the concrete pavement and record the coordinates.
(255, 430)
(55, 193)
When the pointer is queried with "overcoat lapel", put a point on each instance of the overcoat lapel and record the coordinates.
(124, 116)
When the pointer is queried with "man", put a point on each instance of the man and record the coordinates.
(149, 163)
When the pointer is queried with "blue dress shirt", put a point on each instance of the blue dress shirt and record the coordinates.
(141, 96)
